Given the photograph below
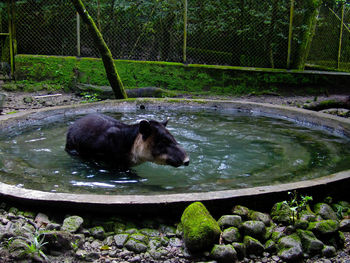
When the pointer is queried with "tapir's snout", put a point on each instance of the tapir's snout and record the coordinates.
(186, 162)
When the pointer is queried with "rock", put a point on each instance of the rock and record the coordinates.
(344, 225)
(241, 211)
(59, 240)
(240, 249)
(290, 248)
(306, 215)
(270, 246)
(135, 246)
(224, 253)
(328, 251)
(229, 221)
(311, 245)
(200, 229)
(72, 224)
(120, 240)
(140, 237)
(150, 232)
(231, 235)
(325, 211)
(97, 232)
(281, 213)
(258, 216)
(253, 246)
(41, 220)
(28, 99)
(254, 229)
(324, 227)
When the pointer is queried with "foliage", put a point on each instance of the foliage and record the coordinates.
(33, 243)
(296, 204)
(229, 32)
(90, 97)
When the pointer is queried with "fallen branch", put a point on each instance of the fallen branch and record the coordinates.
(343, 103)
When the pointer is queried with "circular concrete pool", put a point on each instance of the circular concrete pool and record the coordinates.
(237, 149)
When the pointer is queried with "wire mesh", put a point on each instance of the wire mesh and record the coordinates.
(237, 33)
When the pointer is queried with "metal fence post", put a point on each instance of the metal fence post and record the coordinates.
(185, 32)
(290, 35)
(78, 35)
(340, 35)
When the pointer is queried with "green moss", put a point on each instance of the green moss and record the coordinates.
(200, 229)
(324, 227)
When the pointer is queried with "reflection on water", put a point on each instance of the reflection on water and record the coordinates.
(227, 151)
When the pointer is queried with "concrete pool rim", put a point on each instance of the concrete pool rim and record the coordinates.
(333, 182)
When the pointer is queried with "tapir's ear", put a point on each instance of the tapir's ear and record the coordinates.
(165, 122)
(145, 128)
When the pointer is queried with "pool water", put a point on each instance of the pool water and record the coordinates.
(228, 150)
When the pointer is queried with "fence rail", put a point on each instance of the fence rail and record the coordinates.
(228, 32)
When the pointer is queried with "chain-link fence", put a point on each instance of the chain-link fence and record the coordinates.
(331, 43)
(228, 32)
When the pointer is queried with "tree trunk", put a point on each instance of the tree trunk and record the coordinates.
(310, 20)
(106, 55)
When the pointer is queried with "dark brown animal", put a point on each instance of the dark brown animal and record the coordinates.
(106, 140)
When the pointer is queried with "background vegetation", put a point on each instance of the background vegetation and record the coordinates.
(229, 32)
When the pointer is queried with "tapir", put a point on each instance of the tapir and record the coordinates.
(103, 139)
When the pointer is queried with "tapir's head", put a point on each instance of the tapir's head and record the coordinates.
(154, 143)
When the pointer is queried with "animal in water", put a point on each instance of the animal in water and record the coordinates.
(105, 140)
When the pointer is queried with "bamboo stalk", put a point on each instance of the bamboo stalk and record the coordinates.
(341, 35)
(185, 33)
(345, 26)
(9, 5)
(290, 35)
(78, 35)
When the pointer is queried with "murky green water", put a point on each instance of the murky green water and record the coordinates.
(227, 151)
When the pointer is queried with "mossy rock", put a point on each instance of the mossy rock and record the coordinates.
(200, 229)
(231, 234)
(290, 248)
(241, 211)
(253, 246)
(224, 253)
(324, 227)
(281, 213)
(311, 245)
(72, 224)
(258, 216)
(325, 211)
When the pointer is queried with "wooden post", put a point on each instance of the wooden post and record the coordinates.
(290, 35)
(340, 35)
(78, 35)
(185, 33)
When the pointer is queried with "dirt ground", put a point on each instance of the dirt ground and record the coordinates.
(19, 101)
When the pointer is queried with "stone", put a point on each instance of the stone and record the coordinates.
(41, 220)
(231, 235)
(258, 216)
(325, 211)
(120, 240)
(150, 232)
(324, 227)
(253, 246)
(140, 237)
(241, 211)
(281, 213)
(344, 225)
(306, 215)
(135, 246)
(72, 224)
(97, 232)
(254, 229)
(59, 240)
(229, 221)
(270, 246)
(329, 251)
(290, 248)
(200, 229)
(240, 249)
(224, 253)
(311, 245)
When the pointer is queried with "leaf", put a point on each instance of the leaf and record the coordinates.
(105, 247)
